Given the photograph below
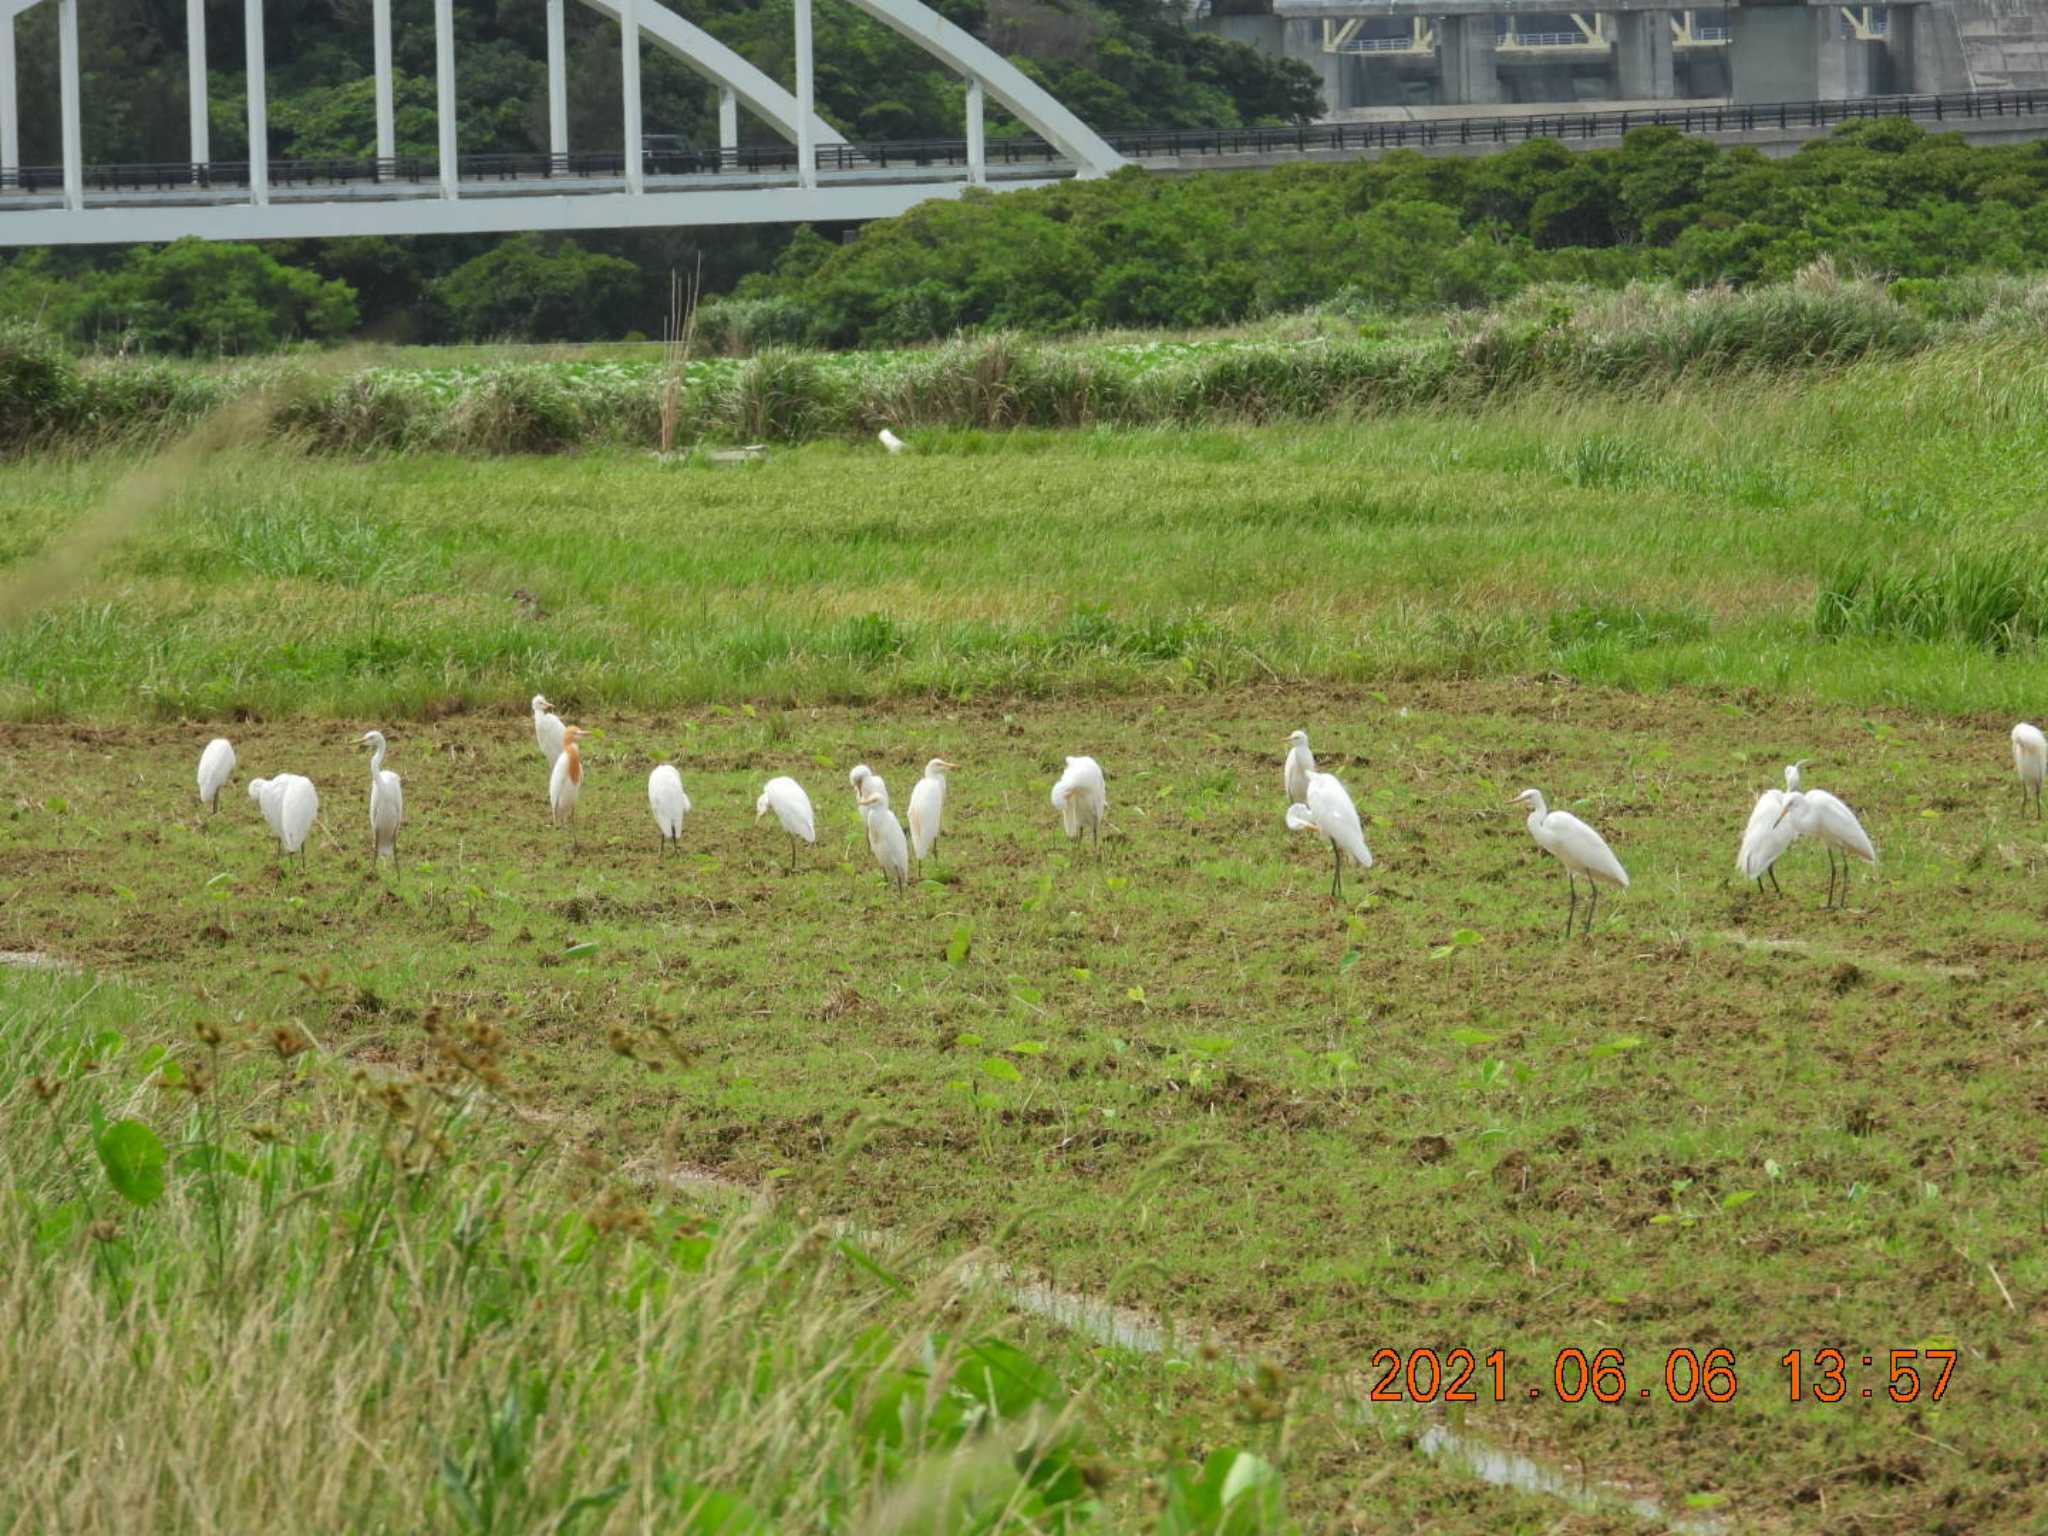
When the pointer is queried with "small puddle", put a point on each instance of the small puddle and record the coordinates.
(1828, 952)
(36, 960)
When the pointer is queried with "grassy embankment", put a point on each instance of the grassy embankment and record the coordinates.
(1413, 1120)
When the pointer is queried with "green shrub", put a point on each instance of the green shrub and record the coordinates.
(39, 385)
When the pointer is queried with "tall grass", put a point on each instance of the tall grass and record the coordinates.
(249, 1286)
(1995, 598)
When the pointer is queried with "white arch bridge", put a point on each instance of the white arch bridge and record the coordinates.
(813, 176)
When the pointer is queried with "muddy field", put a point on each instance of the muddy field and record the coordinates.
(1178, 1073)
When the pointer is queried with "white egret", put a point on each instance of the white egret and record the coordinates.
(1765, 838)
(885, 833)
(927, 806)
(1820, 816)
(1326, 808)
(858, 777)
(269, 797)
(891, 441)
(289, 803)
(1576, 846)
(670, 805)
(217, 766)
(2029, 757)
(792, 808)
(1300, 764)
(565, 784)
(387, 801)
(547, 730)
(1081, 798)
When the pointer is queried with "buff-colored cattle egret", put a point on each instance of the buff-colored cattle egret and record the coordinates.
(1326, 808)
(927, 807)
(891, 441)
(885, 832)
(670, 805)
(565, 784)
(289, 803)
(2029, 758)
(1081, 798)
(1766, 837)
(1300, 764)
(387, 802)
(1820, 816)
(792, 807)
(1576, 846)
(547, 730)
(217, 766)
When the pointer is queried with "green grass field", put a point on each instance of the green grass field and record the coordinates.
(1175, 1075)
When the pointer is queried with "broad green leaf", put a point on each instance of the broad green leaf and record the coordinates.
(1001, 1070)
(586, 948)
(134, 1160)
(960, 944)
(1029, 1048)
(1737, 1197)
(1465, 1036)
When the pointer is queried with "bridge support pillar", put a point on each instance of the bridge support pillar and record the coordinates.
(1642, 55)
(10, 102)
(1796, 53)
(629, 92)
(728, 128)
(1471, 76)
(977, 143)
(558, 79)
(67, 95)
(195, 78)
(380, 42)
(259, 103)
(806, 143)
(444, 94)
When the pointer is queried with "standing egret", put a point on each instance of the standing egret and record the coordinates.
(217, 766)
(885, 833)
(565, 784)
(269, 797)
(387, 802)
(891, 441)
(1081, 798)
(670, 805)
(1326, 808)
(792, 807)
(290, 803)
(1301, 763)
(1576, 846)
(547, 730)
(1766, 837)
(1820, 816)
(2029, 756)
(927, 806)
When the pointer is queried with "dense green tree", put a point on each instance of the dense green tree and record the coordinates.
(543, 288)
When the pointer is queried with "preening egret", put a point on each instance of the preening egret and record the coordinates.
(1766, 837)
(858, 776)
(1820, 816)
(289, 803)
(891, 441)
(565, 784)
(1081, 798)
(885, 833)
(547, 730)
(269, 797)
(217, 766)
(1576, 846)
(1326, 808)
(1300, 764)
(670, 805)
(387, 802)
(927, 806)
(2029, 757)
(792, 807)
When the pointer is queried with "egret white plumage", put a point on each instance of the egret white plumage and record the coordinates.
(792, 808)
(1300, 764)
(1766, 837)
(891, 441)
(670, 805)
(565, 784)
(1081, 798)
(1576, 846)
(289, 803)
(269, 797)
(387, 801)
(858, 776)
(1326, 808)
(927, 806)
(216, 767)
(547, 730)
(1820, 816)
(885, 833)
(2029, 758)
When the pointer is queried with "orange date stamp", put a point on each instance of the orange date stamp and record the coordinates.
(1681, 1375)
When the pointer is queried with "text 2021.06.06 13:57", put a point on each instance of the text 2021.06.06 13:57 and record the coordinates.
(1686, 1376)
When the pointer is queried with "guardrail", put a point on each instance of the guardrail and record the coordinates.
(1025, 150)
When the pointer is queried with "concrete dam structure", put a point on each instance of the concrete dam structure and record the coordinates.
(1377, 57)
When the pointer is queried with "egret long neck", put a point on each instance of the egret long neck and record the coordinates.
(376, 759)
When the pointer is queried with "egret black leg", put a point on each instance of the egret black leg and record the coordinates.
(1773, 873)
(1571, 911)
(1336, 873)
(1592, 906)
